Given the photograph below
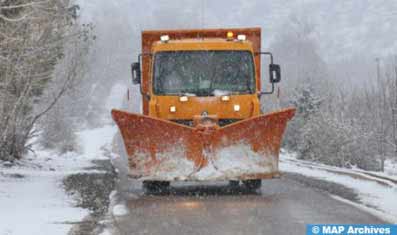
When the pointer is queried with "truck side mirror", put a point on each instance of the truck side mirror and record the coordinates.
(136, 73)
(275, 73)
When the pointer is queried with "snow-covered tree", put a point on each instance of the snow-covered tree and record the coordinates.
(57, 128)
(32, 38)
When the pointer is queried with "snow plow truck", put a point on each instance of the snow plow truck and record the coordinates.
(202, 118)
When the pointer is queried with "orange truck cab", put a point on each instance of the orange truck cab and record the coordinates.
(201, 116)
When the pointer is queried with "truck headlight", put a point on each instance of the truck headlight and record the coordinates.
(172, 109)
(241, 37)
(164, 38)
(183, 99)
(225, 98)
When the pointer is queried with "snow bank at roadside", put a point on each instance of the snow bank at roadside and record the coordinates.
(390, 169)
(32, 199)
(372, 194)
(120, 210)
(94, 141)
(35, 203)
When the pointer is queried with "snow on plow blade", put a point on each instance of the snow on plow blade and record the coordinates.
(163, 150)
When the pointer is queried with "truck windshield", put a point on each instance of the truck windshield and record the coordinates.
(203, 73)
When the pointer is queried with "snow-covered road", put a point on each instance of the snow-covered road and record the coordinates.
(282, 206)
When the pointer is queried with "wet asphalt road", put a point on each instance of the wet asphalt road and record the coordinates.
(281, 206)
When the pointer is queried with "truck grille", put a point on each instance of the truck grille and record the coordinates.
(225, 122)
(184, 122)
(221, 122)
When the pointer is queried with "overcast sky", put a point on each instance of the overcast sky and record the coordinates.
(342, 27)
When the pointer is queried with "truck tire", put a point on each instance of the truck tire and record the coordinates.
(252, 184)
(156, 186)
(234, 183)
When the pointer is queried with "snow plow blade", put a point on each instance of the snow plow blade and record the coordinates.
(163, 150)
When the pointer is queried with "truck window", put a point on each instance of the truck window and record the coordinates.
(203, 73)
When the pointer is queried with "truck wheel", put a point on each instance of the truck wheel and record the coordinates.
(156, 186)
(234, 183)
(252, 184)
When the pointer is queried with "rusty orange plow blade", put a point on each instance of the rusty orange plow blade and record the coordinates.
(163, 150)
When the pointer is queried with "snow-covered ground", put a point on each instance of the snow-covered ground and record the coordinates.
(390, 169)
(377, 192)
(32, 199)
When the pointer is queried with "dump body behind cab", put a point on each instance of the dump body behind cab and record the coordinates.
(206, 124)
